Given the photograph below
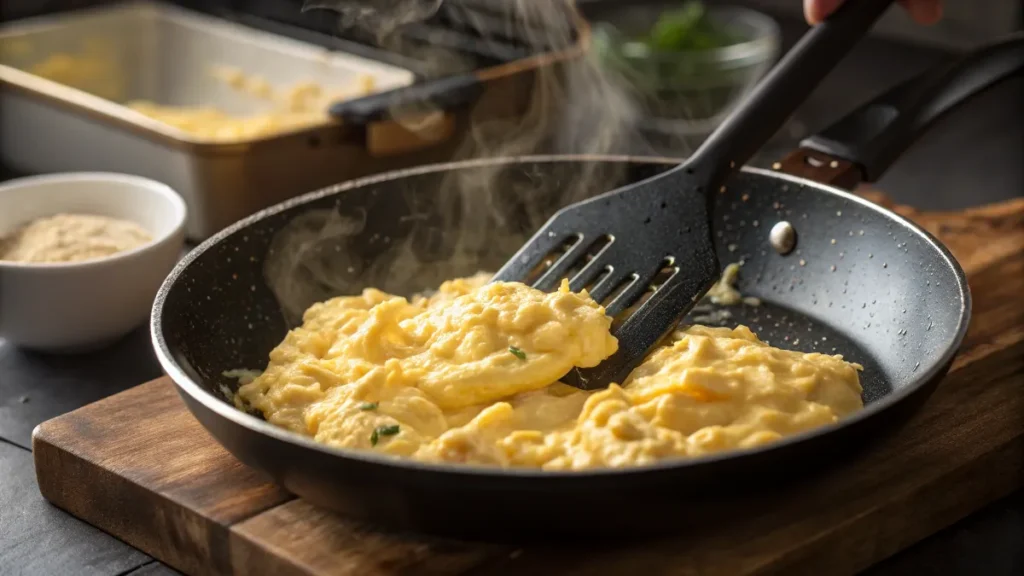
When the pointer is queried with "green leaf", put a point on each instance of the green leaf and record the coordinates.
(383, 430)
(517, 352)
(674, 29)
(365, 406)
(688, 29)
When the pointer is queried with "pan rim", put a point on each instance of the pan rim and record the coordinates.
(184, 383)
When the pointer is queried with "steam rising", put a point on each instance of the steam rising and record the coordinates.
(462, 221)
(302, 267)
(382, 17)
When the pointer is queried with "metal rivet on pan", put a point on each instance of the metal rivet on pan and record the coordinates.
(782, 237)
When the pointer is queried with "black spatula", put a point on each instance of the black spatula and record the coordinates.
(653, 238)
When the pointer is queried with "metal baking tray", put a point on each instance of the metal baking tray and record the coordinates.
(163, 54)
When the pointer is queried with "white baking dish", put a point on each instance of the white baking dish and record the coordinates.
(163, 54)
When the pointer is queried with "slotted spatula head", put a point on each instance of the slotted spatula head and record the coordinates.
(649, 243)
(653, 239)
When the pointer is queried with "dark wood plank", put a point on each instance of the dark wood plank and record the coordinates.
(137, 465)
(36, 538)
(205, 513)
(298, 538)
(988, 542)
(154, 569)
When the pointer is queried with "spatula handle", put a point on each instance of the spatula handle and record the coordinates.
(783, 89)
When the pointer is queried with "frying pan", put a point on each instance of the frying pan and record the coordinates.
(862, 282)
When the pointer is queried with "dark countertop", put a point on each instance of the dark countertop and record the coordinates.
(971, 158)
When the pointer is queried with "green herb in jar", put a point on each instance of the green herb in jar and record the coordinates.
(688, 28)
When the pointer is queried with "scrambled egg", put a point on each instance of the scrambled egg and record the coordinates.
(724, 291)
(95, 70)
(300, 106)
(469, 375)
(213, 124)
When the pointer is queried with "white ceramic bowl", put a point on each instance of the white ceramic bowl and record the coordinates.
(78, 306)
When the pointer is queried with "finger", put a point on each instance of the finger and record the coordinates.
(924, 11)
(817, 10)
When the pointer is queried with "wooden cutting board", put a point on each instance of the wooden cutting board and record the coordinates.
(138, 466)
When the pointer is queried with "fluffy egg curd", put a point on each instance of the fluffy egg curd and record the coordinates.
(470, 375)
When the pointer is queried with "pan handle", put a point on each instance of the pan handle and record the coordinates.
(864, 144)
(445, 94)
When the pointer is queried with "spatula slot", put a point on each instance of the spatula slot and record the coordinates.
(604, 275)
(636, 290)
(619, 290)
(598, 246)
(667, 271)
(620, 304)
(574, 262)
(579, 265)
(551, 257)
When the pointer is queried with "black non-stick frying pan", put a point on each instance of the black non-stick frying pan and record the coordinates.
(862, 282)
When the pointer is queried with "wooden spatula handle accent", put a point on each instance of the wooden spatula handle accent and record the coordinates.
(976, 236)
(820, 167)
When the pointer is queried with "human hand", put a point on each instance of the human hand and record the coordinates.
(922, 11)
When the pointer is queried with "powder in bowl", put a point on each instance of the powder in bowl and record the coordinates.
(71, 238)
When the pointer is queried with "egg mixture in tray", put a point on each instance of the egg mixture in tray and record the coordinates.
(231, 117)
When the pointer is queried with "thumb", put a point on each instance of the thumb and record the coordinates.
(817, 10)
